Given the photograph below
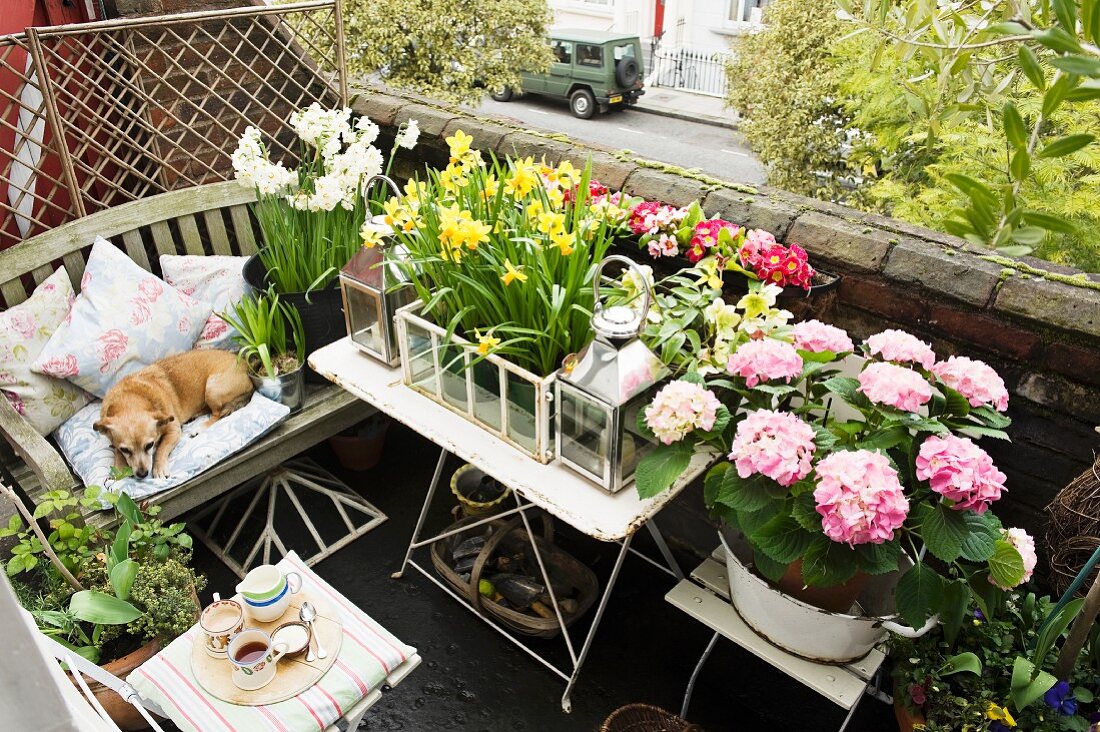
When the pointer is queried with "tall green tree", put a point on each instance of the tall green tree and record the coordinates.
(450, 49)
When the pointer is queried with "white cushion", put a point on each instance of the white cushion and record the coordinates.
(91, 456)
(216, 280)
(44, 401)
(124, 319)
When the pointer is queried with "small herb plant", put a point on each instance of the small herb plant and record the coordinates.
(262, 322)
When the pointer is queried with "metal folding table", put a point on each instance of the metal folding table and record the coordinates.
(552, 488)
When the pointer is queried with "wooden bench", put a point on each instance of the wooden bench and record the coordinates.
(210, 219)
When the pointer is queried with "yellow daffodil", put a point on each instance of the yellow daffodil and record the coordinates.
(524, 178)
(556, 196)
(551, 223)
(566, 174)
(534, 209)
(397, 215)
(512, 273)
(1000, 714)
(452, 177)
(489, 189)
(486, 343)
(370, 235)
(474, 233)
(708, 273)
(564, 242)
(459, 143)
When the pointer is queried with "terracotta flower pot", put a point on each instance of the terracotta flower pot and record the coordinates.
(360, 451)
(907, 720)
(835, 599)
(122, 713)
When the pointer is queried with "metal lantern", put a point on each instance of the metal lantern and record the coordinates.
(599, 398)
(373, 288)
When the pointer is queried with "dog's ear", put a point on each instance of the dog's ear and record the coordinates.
(165, 419)
(102, 427)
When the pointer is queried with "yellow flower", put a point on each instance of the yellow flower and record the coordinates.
(551, 223)
(534, 209)
(459, 143)
(370, 235)
(556, 196)
(708, 273)
(524, 178)
(513, 273)
(566, 174)
(564, 242)
(397, 215)
(1000, 714)
(452, 177)
(486, 343)
(474, 233)
(490, 187)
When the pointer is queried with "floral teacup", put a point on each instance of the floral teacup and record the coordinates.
(220, 621)
(254, 659)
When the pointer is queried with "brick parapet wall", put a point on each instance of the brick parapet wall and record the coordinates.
(1037, 323)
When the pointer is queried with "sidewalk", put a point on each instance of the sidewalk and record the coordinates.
(669, 102)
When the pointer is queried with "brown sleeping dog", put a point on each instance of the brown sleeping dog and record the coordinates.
(142, 414)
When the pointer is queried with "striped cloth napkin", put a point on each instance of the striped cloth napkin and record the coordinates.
(368, 654)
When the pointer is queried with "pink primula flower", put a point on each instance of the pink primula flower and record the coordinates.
(958, 469)
(778, 445)
(894, 386)
(765, 360)
(679, 408)
(975, 380)
(899, 346)
(859, 497)
(817, 337)
(1024, 544)
(756, 241)
(705, 237)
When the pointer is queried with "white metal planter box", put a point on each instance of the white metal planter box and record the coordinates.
(493, 393)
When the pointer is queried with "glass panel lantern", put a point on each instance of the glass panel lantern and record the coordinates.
(373, 289)
(598, 400)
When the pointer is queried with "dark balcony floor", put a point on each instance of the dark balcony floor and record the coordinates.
(473, 679)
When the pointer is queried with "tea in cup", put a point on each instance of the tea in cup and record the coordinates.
(266, 592)
(220, 621)
(254, 659)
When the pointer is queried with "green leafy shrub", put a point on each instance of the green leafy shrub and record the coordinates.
(165, 591)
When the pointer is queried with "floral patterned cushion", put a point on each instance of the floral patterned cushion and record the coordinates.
(124, 319)
(216, 280)
(24, 330)
(90, 453)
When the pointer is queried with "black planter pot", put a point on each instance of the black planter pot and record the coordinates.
(322, 311)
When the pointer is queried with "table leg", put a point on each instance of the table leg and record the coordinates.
(566, 704)
(695, 675)
(852, 711)
(423, 513)
(662, 547)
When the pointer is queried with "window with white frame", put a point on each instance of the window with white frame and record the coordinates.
(742, 11)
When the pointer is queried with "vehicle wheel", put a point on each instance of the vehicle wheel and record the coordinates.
(626, 72)
(504, 95)
(582, 104)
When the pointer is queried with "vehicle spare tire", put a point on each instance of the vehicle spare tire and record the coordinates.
(626, 71)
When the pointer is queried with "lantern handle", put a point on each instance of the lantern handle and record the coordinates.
(648, 291)
(385, 179)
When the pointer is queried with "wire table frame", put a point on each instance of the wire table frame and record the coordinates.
(552, 488)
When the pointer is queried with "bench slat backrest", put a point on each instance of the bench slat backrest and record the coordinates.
(210, 219)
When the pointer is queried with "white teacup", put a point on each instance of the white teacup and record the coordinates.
(265, 592)
(254, 659)
(220, 621)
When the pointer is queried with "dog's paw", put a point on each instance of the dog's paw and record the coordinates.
(161, 473)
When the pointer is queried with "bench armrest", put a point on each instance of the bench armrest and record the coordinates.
(35, 449)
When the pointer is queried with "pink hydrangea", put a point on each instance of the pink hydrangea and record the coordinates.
(975, 380)
(1026, 546)
(816, 337)
(894, 386)
(899, 346)
(765, 360)
(859, 497)
(679, 408)
(778, 445)
(958, 469)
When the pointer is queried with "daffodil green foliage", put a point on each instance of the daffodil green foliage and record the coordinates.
(449, 49)
(977, 119)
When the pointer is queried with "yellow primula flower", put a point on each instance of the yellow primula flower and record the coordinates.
(486, 343)
(512, 273)
(459, 143)
(708, 273)
(551, 223)
(564, 242)
(524, 178)
(1000, 714)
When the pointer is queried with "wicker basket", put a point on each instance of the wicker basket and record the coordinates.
(562, 567)
(646, 718)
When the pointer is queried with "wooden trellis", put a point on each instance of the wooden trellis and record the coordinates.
(113, 111)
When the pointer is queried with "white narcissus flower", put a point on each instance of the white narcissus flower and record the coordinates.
(409, 136)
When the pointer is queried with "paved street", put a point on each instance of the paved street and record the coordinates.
(716, 151)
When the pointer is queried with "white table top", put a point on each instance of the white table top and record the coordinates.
(554, 487)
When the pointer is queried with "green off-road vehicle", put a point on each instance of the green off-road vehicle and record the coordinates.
(592, 69)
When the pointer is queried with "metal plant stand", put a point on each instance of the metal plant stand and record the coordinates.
(289, 480)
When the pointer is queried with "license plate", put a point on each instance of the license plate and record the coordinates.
(615, 99)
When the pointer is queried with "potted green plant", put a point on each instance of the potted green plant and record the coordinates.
(501, 255)
(112, 596)
(311, 216)
(272, 343)
(996, 669)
